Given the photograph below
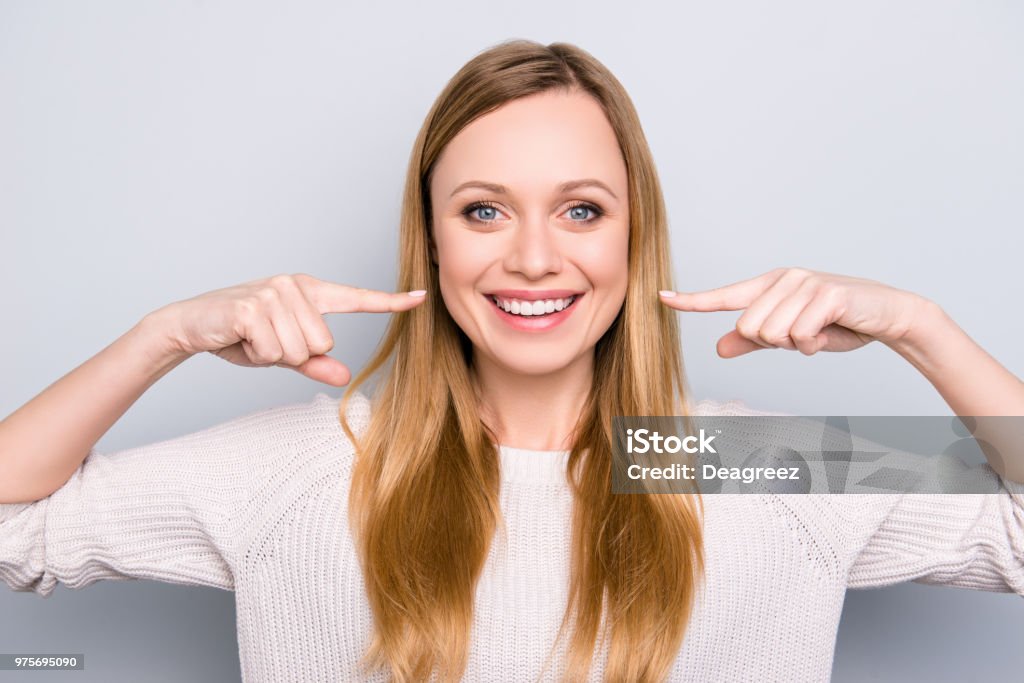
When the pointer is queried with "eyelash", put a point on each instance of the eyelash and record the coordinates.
(467, 212)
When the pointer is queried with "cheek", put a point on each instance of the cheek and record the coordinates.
(605, 262)
(460, 263)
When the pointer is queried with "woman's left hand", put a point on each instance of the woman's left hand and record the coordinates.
(796, 308)
(806, 310)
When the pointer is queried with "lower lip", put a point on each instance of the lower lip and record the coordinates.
(534, 323)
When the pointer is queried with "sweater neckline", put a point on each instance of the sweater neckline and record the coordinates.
(525, 466)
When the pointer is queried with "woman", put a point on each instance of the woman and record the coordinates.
(534, 221)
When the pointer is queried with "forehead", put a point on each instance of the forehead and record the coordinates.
(532, 144)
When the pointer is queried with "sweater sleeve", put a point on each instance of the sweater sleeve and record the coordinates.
(170, 511)
(967, 540)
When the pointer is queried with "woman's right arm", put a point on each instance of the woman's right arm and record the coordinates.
(271, 321)
(44, 441)
(177, 510)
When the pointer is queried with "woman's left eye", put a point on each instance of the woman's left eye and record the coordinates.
(582, 208)
(577, 212)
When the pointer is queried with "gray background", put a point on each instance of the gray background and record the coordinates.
(153, 151)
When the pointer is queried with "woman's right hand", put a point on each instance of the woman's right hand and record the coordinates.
(275, 321)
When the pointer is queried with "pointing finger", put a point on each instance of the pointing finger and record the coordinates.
(732, 297)
(332, 297)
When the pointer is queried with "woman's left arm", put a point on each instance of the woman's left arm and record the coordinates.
(971, 381)
(810, 311)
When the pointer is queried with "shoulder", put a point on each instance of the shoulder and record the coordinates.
(315, 426)
(294, 441)
(308, 458)
(321, 411)
(316, 419)
(325, 415)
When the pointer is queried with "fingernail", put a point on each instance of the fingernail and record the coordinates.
(667, 293)
(418, 292)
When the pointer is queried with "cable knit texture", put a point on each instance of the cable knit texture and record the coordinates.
(258, 505)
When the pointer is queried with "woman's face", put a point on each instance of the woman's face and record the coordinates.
(556, 253)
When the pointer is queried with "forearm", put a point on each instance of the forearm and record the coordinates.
(44, 441)
(972, 382)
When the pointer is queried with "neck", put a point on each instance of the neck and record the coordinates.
(533, 412)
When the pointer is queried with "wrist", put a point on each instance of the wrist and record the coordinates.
(155, 336)
(929, 328)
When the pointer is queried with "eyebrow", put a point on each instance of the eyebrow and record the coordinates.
(563, 188)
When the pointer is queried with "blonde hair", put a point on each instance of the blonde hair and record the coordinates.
(424, 501)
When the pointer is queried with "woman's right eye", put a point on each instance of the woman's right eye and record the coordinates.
(488, 212)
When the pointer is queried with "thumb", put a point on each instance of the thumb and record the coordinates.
(735, 344)
(324, 369)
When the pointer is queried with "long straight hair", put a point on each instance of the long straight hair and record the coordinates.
(424, 500)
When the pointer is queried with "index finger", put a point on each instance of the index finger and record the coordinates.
(732, 297)
(333, 297)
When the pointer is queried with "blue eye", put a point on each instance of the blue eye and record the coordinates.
(491, 210)
(477, 206)
(586, 207)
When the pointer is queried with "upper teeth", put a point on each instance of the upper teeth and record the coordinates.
(520, 307)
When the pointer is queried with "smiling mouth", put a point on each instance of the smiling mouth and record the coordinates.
(533, 309)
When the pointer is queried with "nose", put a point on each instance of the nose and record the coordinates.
(534, 250)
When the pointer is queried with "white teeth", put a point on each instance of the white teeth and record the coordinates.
(531, 308)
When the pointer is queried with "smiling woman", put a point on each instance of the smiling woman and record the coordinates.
(461, 521)
(531, 187)
(534, 219)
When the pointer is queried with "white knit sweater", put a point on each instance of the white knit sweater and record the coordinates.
(258, 505)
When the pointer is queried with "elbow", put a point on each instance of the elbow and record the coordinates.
(16, 487)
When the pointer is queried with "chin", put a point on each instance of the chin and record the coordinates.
(539, 365)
